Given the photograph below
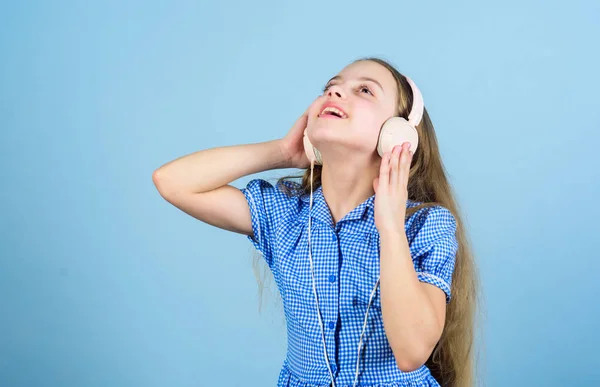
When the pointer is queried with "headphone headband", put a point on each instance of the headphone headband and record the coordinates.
(416, 112)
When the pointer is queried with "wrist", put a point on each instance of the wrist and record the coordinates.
(283, 158)
(393, 234)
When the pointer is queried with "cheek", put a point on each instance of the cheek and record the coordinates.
(367, 123)
(313, 112)
(313, 109)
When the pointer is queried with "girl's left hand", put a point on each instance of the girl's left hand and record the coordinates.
(391, 190)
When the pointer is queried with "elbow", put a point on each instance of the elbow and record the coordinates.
(156, 177)
(157, 180)
(160, 181)
(406, 364)
(413, 354)
(413, 360)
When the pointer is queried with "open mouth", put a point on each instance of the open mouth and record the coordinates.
(330, 111)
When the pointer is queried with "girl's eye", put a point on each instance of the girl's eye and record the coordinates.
(362, 88)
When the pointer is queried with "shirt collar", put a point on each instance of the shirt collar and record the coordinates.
(321, 212)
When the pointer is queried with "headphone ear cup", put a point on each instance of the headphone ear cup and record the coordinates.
(312, 153)
(396, 131)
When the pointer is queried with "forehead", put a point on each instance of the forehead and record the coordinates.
(373, 70)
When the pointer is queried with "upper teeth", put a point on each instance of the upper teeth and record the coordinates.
(334, 110)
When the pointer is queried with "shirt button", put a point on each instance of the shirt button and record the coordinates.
(332, 278)
(331, 325)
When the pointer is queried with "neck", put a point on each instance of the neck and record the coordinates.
(346, 184)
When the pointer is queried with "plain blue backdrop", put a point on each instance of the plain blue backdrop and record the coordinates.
(103, 283)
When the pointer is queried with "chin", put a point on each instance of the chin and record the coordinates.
(324, 132)
(330, 132)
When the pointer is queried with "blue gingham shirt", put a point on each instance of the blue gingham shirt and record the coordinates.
(346, 265)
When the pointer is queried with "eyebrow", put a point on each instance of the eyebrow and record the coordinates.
(338, 77)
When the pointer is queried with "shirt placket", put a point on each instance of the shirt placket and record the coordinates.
(332, 289)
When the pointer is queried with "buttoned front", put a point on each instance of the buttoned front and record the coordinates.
(346, 268)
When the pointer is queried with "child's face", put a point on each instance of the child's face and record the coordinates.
(365, 95)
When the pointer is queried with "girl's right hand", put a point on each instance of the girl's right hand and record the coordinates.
(292, 145)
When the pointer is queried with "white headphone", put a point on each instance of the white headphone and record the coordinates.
(395, 131)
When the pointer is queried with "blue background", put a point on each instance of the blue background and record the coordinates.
(103, 283)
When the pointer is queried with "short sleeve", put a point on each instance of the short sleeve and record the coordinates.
(261, 198)
(434, 248)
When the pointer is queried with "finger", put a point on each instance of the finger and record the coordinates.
(384, 171)
(394, 167)
(376, 184)
(405, 161)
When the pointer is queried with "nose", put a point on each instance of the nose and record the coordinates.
(336, 90)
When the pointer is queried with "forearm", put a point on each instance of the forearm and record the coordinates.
(209, 169)
(409, 317)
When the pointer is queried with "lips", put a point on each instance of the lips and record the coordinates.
(332, 110)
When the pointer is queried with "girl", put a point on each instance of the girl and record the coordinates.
(369, 253)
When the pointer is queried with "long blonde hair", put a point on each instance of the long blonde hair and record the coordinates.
(452, 362)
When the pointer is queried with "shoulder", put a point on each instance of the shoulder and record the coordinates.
(274, 196)
(430, 222)
(280, 189)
